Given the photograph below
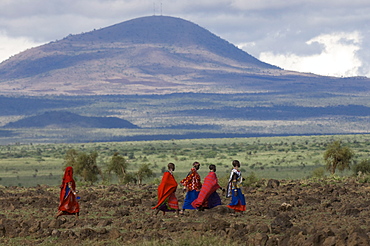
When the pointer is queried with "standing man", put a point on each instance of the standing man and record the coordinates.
(192, 186)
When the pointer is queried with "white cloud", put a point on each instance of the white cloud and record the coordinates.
(337, 58)
(11, 46)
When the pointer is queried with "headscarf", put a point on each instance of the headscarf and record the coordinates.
(67, 178)
(68, 175)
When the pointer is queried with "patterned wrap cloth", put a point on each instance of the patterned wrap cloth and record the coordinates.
(234, 191)
(193, 185)
(192, 180)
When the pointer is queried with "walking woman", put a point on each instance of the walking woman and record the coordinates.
(68, 204)
(167, 200)
(208, 197)
(192, 186)
(233, 189)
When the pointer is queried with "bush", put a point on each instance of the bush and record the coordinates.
(318, 172)
(363, 167)
(130, 178)
(250, 180)
(365, 179)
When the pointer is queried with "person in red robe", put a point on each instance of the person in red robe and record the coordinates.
(167, 200)
(68, 204)
(208, 197)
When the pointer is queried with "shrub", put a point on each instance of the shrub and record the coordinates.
(250, 180)
(118, 165)
(363, 167)
(130, 178)
(365, 179)
(337, 156)
(144, 172)
(318, 172)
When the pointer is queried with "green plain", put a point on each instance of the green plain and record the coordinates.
(294, 157)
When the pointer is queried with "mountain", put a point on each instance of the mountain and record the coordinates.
(60, 119)
(147, 55)
(172, 79)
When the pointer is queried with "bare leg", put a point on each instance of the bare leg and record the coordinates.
(58, 214)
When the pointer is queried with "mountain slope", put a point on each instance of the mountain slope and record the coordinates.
(59, 119)
(155, 54)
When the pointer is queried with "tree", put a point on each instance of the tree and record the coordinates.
(337, 156)
(130, 178)
(144, 172)
(71, 158)
(84, 165)
(87, 167)
(118, 165)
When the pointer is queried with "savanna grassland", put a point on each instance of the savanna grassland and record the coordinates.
(270, 157)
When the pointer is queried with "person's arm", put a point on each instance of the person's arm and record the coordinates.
(70, 187)
(234, 182)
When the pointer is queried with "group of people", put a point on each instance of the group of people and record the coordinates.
(199, 196)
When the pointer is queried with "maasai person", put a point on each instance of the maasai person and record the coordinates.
(208, 197)
(233, 189)
(167, 201)
(192, 185)
(68, 204)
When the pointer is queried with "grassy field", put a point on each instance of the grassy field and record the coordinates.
(292, 157)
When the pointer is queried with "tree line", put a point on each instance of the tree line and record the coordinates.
(337, 157)
(85, 166)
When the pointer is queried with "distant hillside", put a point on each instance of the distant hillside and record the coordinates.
(155, 54)
(152, 55)
(58, 119)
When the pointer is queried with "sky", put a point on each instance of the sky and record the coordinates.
(329, 37)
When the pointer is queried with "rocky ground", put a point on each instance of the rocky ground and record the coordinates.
(327, 213)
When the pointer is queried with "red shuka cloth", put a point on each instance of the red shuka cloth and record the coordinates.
(209, 186)
(167, 189)
(68, 202)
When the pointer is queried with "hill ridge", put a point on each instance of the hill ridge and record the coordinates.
(154, 55)
(146, 55)
(65, 119)
(152, 29)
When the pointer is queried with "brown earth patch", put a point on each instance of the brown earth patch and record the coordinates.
(278, 213)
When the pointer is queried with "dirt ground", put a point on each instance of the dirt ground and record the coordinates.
(326, 213)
